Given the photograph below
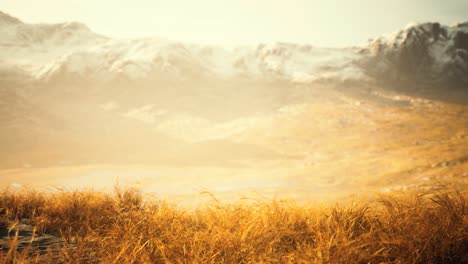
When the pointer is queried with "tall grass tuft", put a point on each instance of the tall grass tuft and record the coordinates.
(94, 227)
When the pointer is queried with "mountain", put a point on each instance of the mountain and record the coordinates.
(26, 48)
(71, 52)
(6, 20)
(428, 53)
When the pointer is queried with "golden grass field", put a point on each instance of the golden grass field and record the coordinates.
(123, 227)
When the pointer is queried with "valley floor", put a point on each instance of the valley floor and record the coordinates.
(331, 145)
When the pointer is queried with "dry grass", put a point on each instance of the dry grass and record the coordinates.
(123, 228)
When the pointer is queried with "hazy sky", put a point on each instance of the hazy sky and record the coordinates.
(233, 22)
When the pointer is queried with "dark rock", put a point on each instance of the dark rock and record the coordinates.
(27, 237)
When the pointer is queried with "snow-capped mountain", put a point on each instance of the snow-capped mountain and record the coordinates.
(427, 52)
(26, 48)
(130, 59)
(155, 59)
(71, 52)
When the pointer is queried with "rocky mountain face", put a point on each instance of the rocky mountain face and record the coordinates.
(428, 53)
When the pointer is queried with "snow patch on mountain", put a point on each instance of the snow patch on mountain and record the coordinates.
(131, 59)
(147, 59)
(298, 63)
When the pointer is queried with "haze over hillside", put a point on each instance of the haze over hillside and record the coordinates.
(273, 116)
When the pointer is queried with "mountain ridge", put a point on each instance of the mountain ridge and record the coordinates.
(7, 18)
(424, 53)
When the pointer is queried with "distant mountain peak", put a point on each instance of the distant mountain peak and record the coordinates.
(8, 19)
(425, 52)
(38, 44)
(75, 26)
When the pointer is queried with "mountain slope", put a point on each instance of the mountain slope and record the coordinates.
(427, 53)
